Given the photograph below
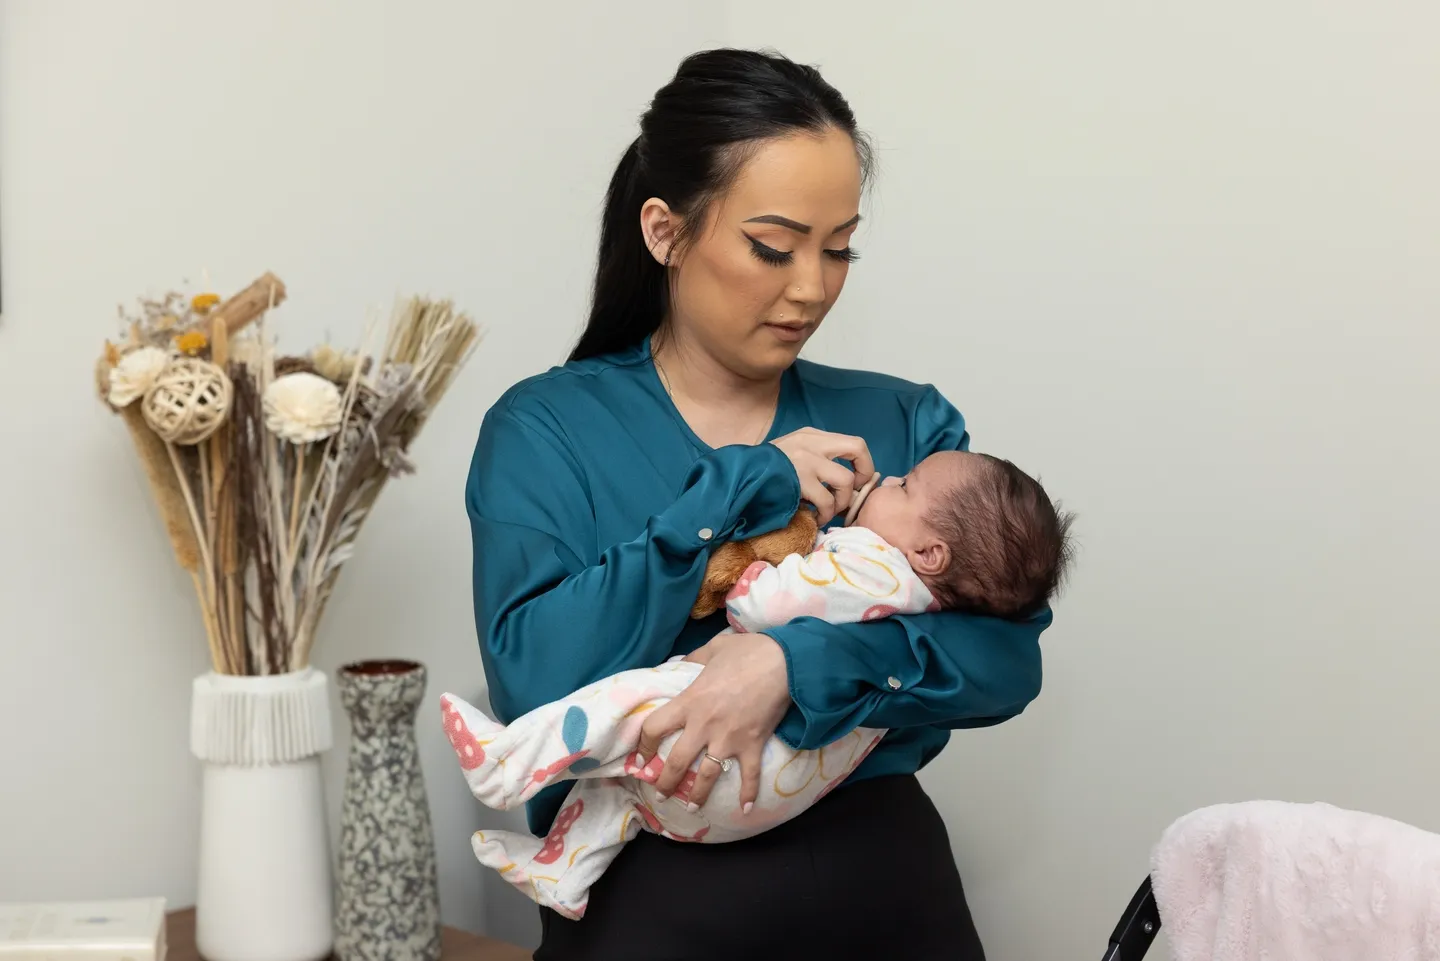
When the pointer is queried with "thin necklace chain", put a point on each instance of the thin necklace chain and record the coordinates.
(670, 391)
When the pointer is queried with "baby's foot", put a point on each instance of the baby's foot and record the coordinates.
(526, 863)
(468, 731)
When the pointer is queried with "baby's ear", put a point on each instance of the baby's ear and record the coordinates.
(930, 559)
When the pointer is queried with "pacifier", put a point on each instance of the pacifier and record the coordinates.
(859, 498)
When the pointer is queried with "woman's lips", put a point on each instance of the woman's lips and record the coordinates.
(789, 333)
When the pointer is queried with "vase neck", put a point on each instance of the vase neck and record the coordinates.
(366, 724)
(381, 699)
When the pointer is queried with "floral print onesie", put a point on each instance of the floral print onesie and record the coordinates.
(591, 736)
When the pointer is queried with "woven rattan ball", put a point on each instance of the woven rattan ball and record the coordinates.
(188, 401)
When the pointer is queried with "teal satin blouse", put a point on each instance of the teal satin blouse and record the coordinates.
(593, 508)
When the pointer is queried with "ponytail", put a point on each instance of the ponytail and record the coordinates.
(690, 149)
(631, 292)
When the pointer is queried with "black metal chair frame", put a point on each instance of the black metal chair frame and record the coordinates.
(1137, 928)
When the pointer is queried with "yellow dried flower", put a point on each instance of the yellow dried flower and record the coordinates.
(332, 364)
(203, 302)
(192, 342)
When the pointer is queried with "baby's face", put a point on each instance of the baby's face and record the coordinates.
(897, 509)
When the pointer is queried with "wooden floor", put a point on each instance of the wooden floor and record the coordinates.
(455, 945)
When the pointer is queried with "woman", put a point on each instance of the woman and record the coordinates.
(684, 419)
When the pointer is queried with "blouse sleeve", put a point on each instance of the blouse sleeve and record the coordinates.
(553, 614)
(944, 668)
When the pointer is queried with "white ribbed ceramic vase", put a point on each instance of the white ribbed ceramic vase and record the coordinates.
(264, 890)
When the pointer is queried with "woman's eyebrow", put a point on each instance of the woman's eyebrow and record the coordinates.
(796, 225)
(780, 221)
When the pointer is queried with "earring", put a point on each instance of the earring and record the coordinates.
(667, 257)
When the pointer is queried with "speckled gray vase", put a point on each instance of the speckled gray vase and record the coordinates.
(388, 904)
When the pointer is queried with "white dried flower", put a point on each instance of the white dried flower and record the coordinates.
(133, 375)
(302, 407)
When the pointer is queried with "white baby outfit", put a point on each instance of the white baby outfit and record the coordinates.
(591, 736)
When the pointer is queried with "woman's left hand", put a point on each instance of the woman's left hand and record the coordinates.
(730, 711)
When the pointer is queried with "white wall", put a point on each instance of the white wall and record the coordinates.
(1179, 260)
(1183, 260)
(359, 150)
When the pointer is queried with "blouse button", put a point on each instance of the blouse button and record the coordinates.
(894, 683)
(706, 533)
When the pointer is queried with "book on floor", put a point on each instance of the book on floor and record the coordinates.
(121, 929)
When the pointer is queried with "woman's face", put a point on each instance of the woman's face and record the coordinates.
(761, 273)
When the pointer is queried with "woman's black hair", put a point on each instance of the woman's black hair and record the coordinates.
(696, 135)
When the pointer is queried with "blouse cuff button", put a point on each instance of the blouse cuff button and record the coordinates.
(706, 533)
(894, 683)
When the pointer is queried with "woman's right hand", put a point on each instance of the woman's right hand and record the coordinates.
(824, 483)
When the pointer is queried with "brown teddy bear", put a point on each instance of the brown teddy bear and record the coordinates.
(732, 559)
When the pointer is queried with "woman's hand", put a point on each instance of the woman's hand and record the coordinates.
(730, 711)
(824, 483)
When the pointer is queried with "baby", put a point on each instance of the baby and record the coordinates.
(961, 531)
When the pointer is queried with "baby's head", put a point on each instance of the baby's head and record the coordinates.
(982, 534)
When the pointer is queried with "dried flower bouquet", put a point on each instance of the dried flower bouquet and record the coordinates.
(264, 466)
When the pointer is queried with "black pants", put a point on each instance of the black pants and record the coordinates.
(865, 874)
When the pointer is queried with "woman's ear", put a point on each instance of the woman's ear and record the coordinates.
(658, 225)
(931, 558)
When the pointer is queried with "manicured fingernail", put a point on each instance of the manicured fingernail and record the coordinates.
(692, 807)
(749, 805)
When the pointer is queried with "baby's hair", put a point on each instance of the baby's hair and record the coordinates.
(1009, 545)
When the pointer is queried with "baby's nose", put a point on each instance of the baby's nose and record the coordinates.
(890, 482)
